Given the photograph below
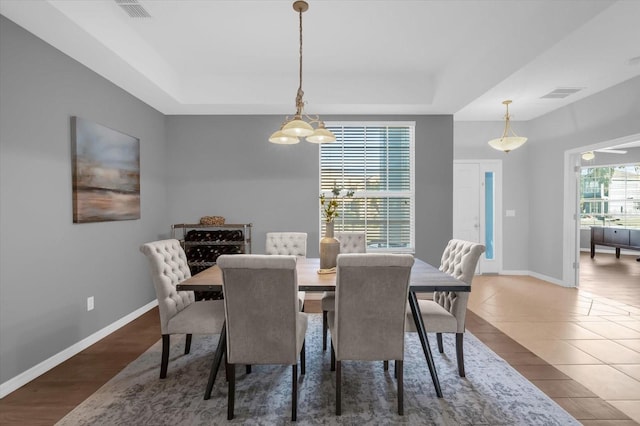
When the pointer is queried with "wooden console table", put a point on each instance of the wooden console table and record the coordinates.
(620, 238)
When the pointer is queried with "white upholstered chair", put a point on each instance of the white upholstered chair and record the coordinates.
(447, 311)
(179, 312)
(288, 243)
(350, 242)
(368, 321)
(264, 324)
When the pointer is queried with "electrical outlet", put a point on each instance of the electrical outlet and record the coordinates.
(90, 303)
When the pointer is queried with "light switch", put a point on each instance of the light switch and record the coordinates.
(510, 213)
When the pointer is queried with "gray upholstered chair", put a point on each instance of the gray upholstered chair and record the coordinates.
(264, 324)
(350, 242)
(368, 321)
(447, 311)
(288, 243)
(179, 312)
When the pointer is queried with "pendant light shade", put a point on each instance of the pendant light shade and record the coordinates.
(321, 135)
(301, 125)
(298, 128)
(509, 140)
(588, 156)
(281, 138)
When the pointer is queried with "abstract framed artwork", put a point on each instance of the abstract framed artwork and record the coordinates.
(106, 173)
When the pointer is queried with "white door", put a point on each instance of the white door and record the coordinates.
(466, 201)
(477, 202)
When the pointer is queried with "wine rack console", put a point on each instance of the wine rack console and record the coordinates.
(204, 243)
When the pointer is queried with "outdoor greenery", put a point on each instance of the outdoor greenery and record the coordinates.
(610, 196)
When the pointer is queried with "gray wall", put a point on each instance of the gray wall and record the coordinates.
(49, 266)
(190, 167)
(607, 115)
(224, 165)
(533, 176)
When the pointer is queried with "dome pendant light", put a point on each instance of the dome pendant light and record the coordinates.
(507, 142)
(301, 125)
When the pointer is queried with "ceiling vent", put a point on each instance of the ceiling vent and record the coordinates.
(561, 92)
(133, 8)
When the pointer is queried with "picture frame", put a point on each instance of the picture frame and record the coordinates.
(105, 173)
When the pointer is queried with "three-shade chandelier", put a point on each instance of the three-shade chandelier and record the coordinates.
(301, 125)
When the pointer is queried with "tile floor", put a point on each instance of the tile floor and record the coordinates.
(590, 335)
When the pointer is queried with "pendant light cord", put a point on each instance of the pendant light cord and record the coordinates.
(300, 94)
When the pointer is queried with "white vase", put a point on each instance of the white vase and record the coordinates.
(329, 248)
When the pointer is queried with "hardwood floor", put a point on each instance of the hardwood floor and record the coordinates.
(517, 317)
(50, 397)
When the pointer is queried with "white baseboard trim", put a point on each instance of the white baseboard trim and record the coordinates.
(550, 279)
(538, 276)
(512, 272)
(46, 365)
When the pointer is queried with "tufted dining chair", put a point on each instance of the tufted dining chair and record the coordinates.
(350, 242)
(447, 311)
(368, 321)
(179, 312)
(264, 324)
(288, 243)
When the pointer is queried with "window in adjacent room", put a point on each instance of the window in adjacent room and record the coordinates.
(376, 161)
(610, 196)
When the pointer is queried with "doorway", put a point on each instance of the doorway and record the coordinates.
(477, 203)
(571, 224)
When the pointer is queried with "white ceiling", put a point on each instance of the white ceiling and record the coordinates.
(360, 57)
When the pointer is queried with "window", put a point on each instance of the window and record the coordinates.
(376, 161)
(610, 196)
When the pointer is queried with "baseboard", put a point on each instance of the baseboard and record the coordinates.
(46, 365)
(538, 276)
(513, 272)
(550, 279)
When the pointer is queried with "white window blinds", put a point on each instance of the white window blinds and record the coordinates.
(376, 161)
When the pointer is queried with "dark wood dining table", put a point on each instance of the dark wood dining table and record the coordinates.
(424, 278)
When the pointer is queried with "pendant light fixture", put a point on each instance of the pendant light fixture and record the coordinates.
(509, 140)
(301, 125)
(588, 156)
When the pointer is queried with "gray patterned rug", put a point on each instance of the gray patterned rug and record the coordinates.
(493, 393)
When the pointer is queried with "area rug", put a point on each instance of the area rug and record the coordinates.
(492, 393)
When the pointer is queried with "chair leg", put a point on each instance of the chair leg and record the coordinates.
(459, 353)
(294, 392)
(303, 359)
(324, 330)
(248, 369)
(439, 338)
(400, 377)
(165, 355)
(395, 370)
(385, 365)
(187, 344)
(231, 374)
(338, 388)
(333, 358)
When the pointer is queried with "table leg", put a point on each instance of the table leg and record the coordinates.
(417, 318)
(220, 350)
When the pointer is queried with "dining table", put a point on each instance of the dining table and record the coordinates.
(424, 278)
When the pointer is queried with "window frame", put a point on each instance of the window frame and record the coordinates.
(607, 217)
(371, 194)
